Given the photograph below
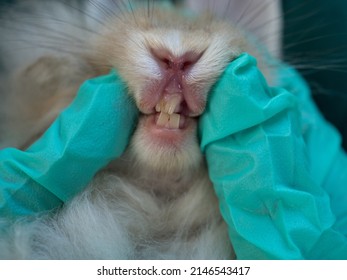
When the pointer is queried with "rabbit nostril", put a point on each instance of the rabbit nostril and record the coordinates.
(182, 63)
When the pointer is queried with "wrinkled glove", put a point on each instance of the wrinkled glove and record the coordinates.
(276, 165)
(84, 138)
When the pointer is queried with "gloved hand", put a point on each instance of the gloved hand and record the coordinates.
(276, 166)
(85, 137)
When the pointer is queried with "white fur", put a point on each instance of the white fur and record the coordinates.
(113, 219)
(135, 210)
(262, 19)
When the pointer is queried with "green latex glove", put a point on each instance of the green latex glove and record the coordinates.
(85, 137)
(276, 166)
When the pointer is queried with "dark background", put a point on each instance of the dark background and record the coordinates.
(315, 34)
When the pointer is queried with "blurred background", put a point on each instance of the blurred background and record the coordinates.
(311, 35)
(315, 41)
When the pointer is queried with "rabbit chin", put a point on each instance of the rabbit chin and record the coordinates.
(164, 150)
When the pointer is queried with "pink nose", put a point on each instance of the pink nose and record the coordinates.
(171, 63)
(174, 68)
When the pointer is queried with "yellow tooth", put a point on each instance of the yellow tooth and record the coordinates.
(173, 102)
(169, 104)
(174, 121)
(165, 107)
(171, 108)
(163, 119)
(160, 107)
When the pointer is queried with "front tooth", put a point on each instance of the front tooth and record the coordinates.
(169, 104)
(166, 107)
(163, 119)
(171, 108)
(174, 121)
(161, 106)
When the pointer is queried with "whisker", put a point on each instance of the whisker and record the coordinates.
(303, 57)
(40, 46)
(313, 39)
(51, 36)
(132, 11)
(109, 13)
(148, 14)
(227, 8)
(213, 7)
(278, 18)
(57, 20)
(258, 12)
(244, 12)
(83, 12)
(119, 8)
(268, 36)
(152, 10)
(58, 35)
(297, 8)
(99, 7)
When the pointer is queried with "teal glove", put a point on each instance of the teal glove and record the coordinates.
(85, 137)
(276, 166)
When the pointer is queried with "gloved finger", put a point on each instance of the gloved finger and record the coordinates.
(240, 100)
(257, 161)
(85, 137)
